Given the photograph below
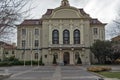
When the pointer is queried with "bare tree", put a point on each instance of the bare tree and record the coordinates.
(11, 12)
(116, 22)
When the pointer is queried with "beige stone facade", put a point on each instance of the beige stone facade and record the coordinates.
(7, 50)
(75, 33)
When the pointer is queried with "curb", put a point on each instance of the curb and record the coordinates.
(105, 78)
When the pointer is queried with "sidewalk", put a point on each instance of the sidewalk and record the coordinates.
(111, 79)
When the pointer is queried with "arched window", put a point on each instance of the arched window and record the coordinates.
(76, 36)
(36, 55)
(55, 37)
(66, 37)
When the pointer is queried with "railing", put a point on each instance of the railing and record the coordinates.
(66, 45)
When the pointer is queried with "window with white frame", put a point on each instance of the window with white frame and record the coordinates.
(23, 31)
(55, 37)
(36, 31)
(36, 43)
(66, 37)
(95, 31)
(76, 36)
(23, 43)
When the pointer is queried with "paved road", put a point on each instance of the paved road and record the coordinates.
(50, 73)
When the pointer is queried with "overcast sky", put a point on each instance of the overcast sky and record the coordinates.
(104, 10)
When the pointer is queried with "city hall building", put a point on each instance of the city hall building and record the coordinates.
(65, 33)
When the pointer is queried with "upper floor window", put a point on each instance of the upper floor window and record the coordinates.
(36, 31)
(55, 37)
(66, 37)
(36, 43)
(95, 31)
(23, 31)
(23, 43)
(76, 37)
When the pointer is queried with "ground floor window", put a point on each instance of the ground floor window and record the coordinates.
(36, 55)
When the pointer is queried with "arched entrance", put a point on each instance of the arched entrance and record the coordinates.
(66, 58)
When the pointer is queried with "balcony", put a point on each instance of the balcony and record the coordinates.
(66, 45)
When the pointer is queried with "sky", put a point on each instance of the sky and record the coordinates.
(105, 10)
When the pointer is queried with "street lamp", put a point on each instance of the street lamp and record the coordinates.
(38, 56)
(31, 58)
(31, 48)
(24, 55)
(23, 43)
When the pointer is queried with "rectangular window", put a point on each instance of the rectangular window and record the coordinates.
(23, 43)
(95, 31)
(36, 43)
(23, 31)
(36, 31)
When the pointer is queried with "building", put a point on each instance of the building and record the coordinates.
(7, 50)
(116, 39)
(65, 33)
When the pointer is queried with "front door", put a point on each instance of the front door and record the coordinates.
(66, 57)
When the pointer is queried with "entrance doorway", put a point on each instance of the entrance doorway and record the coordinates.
(66, 58)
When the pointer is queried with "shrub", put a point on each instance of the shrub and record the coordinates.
(5, 64)
(117, 61)
(98, 68)
(17, 63)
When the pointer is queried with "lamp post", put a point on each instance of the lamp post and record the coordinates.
(38, 57)
(31, 49)
(24, 56)
(31, 58)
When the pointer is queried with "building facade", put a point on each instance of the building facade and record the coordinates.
(65, 33)
(7, 50)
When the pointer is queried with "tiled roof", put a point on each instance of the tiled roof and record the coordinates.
(82, 12)
(95, 21)
(49, 12)
(6, 45)
(31, 22)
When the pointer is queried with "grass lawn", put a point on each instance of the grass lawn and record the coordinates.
(110, 74)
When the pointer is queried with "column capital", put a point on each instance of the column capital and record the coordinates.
(60, 49)
(72, 49)
(83, 49)
(49, 49)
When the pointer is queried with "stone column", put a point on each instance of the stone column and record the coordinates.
(72, 57)
(50, 34)
(83, 59)
(82, 35)
(71, 34)
(49, 56)
(61, 35)
(61, 57)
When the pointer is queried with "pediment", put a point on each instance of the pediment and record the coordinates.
(66, 13)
